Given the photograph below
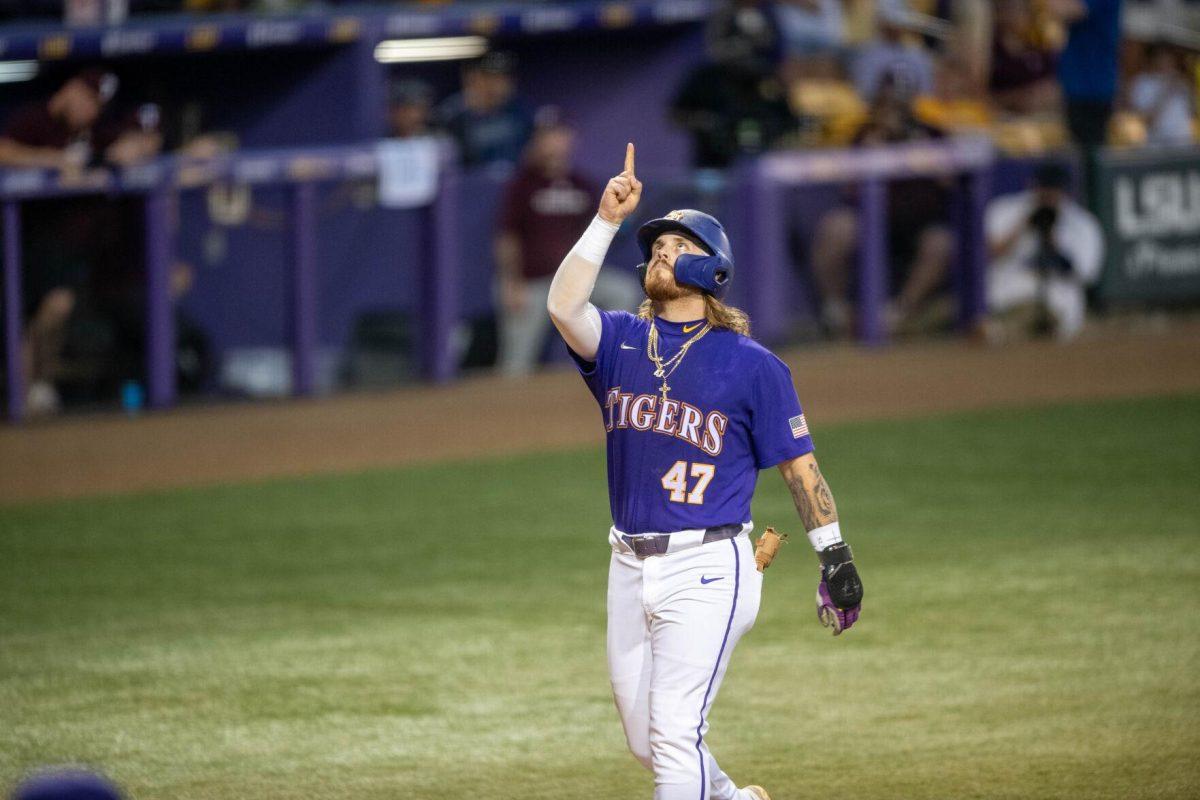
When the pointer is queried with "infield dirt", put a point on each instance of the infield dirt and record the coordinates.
(101, 454)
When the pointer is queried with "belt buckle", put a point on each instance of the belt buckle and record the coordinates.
(645, 546)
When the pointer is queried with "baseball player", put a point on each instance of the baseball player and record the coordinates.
(693, 408)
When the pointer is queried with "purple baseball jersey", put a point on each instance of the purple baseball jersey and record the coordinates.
(693, 461)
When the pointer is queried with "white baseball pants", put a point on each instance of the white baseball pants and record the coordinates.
(1012, 286)
(673, 622)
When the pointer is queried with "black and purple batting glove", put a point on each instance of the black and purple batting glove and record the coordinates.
(830, 615)
(839, 595)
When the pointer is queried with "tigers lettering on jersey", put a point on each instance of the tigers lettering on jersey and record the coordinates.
(690, 460)
(676, 418)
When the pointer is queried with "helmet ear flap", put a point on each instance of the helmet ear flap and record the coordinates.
(709, 273)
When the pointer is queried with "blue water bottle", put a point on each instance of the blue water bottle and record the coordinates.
(133, 397)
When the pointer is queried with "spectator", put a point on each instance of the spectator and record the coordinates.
(411, 158)
(813, 36)
(744, 36)
(60, 133)
(1087, 69)
(1161, 97)
(487, 119)
(810, 27)
(410, 113)
(1044, 250)
(731, 113)
(1023, 77)
(735, 103)
(65, 239)
(136, 136)
(970, 38)
(892, 58)
(920, 242)
(546, 205)
(952, 107)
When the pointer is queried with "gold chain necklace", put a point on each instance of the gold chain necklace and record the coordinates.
(664, 369)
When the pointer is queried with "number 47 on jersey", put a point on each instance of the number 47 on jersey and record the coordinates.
(676, 482)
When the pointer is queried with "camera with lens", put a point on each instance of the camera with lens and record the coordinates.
(1042, 220)
(1048, 260)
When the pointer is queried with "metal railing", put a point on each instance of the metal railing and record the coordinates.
(160, 182)
(756, 207)
(764, 230)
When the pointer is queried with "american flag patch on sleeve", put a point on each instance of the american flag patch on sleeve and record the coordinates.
(799, 426)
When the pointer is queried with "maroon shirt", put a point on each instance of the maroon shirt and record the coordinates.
(547, 216)
(1015, 69)
(71, 241)
(34, 126)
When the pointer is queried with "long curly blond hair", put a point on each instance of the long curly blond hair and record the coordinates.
(716, 314)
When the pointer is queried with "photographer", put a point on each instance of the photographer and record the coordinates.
(1044, 250)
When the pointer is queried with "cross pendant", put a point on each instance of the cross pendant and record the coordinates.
(665, 389)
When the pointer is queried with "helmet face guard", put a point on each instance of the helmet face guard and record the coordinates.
(711, 273)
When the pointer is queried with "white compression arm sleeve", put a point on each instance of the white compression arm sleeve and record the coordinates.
(577, 319)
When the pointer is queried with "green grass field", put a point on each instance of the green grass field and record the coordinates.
(1031, 627)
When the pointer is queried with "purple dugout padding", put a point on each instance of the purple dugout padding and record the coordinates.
(759, 212)
(479, 194)
(304, 279)
(371, 260)
(771, 308)
(368, 121)
(755, 215)
(13, 311)
(381, 257)
(872, 261)
(240, 294)
(441, 302)
(936, 158)
(872, 168)
(251, 167)
(161, 181)
(160, 313)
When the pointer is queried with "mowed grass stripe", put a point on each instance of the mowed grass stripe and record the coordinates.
(1031, 626)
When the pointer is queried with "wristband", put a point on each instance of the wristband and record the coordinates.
(835, 556)
(594, 244)
(825, 536)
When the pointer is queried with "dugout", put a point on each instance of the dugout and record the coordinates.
(295, 260)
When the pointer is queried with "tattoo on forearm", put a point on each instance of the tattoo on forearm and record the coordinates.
(814, 503)
(824, 498)
(804, 504)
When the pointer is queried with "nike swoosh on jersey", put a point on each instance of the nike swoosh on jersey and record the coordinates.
(628, 347)
(710, 580)
(686, 329)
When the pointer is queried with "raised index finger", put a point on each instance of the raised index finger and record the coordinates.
(629, 158)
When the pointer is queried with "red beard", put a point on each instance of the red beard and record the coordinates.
(661, 285)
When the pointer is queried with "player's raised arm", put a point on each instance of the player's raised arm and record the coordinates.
(577, 319)
(839, 595)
